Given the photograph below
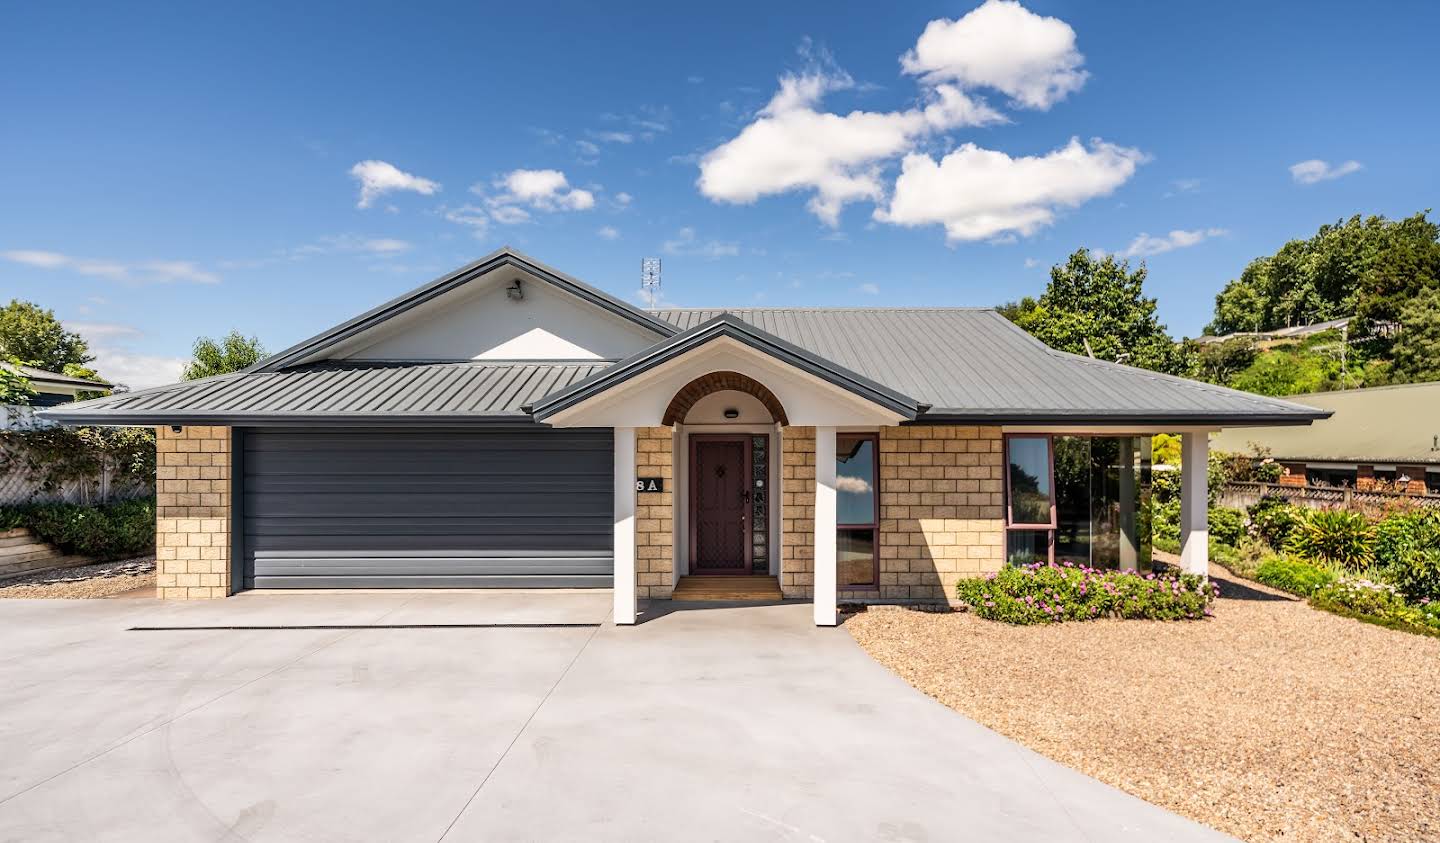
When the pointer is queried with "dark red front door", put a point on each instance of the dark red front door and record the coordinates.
(719, 532)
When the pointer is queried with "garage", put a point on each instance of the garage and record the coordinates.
(516, 507)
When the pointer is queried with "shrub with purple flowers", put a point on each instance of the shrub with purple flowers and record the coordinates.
(1051, 592)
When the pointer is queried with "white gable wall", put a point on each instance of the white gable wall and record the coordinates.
(480, 322)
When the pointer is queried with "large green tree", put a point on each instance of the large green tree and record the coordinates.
(1364, 267)
(230, 353)
(1097, 306)
(1417, 348)
(31, 334)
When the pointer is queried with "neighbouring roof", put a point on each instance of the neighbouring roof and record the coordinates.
(342, 393)
(968, 365)
(55, 378)
(1292, 332)
(1387, 424)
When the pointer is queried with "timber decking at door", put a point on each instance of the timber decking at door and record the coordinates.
(725, 588)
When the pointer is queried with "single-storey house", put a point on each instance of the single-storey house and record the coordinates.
(508, 425)
(53, 388)
(1381, 437)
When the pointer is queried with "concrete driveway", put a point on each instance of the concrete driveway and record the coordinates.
(716, 724)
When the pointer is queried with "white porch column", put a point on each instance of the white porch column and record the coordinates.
(1129, 550)
(1194, 503)
(624, 525)
(825, 575)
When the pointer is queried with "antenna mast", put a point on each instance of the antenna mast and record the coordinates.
(650, 280)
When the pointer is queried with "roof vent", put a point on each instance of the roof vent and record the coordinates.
(513, 292)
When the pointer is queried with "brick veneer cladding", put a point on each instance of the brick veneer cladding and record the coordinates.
(797, 512)
(655, 514)
(192, 512)
(942, 509)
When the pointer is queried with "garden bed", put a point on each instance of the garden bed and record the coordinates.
(1269, 721)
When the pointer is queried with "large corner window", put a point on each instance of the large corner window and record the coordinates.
(857, 510)
(1083, 499)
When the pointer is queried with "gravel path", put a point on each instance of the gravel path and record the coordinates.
(101, 580)
(1270, 721)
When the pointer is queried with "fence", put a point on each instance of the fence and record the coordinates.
(1242, 495)
(16, 487)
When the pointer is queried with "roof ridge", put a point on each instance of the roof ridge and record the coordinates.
(824, 309)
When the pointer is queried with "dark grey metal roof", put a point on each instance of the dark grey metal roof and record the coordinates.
(34, 374)
(732, 326)
(340, 393)
(974, 364)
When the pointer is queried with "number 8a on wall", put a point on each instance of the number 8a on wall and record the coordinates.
(650, 484)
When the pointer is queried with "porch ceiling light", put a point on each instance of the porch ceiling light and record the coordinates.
(732, 413)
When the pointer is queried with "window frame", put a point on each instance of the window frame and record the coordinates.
(1010, 523)
(874, 525)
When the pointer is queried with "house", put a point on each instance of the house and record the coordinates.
(507, 425)
(52, 388)
(1385, 434)
(1295, 333)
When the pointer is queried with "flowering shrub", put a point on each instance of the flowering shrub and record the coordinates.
(1398, 535)
(1378, 603)
(1417, 574)
(1272, 518)
(1293, 575)
(1050, 592)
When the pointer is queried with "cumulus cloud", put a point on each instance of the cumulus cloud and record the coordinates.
(852, 485)
(118, 363)
(1003, 46)
(687, 242)
(979, 193)
(471, 216)
(1315, 170)
(144, 272)
(510, 199)
(380, 177)
(1145, 245)
(608, 232)
(794, 146)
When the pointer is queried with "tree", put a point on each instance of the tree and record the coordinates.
(1417, 348)
(31, 334)
(15, 388)
(1217, 362)
(1098, 307)
(1367, 268)
(231, 353)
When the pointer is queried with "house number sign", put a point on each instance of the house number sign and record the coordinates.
(650, 484)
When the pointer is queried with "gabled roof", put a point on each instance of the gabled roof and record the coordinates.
(342, 393)
(1384, 424)
(505, 256)
(974, 365)
(730, 326)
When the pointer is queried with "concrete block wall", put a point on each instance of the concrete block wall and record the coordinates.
(942, 509)
(192, 512)
(655, 514)
(797, 512)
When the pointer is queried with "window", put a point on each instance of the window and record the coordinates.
(1329, 475)
(1083, 499)
(857, 510)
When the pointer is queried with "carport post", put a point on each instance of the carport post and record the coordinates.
(1195, 502)
(825, 574)
(624, 525)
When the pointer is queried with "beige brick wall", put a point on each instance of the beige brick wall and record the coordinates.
(192, 512)
(942, 513)
(797, 512)
(655, 514)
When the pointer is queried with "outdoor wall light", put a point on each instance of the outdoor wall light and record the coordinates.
(175, 428)
(732, 413)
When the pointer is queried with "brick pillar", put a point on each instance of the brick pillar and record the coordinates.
(797, 512)
(655, 514)
(192, 512)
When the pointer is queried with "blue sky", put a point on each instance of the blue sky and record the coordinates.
(173, 171)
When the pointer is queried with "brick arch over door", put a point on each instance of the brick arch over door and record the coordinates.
(716, 382)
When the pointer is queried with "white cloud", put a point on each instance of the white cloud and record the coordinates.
(380, 177)
(1315, 170)
(1004, 46)
(1031, 263)
(102, 331)
(586, 148)
(145, 272)
(471, 216)
(853, 485)
(623, 199)
(386, 246)
(542, 190)
(608, 232)
(686, 242)
(119, 364)
(869, 289)
(509, 214)
(1145, 245)
(979, 193)
(793, 146)
(613, 136)
(1181, 186)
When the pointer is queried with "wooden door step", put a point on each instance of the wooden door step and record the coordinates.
(722, 588)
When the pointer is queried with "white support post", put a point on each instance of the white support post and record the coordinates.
(1129, 543)
(624, 525)
(1194, 503)
(825, 574)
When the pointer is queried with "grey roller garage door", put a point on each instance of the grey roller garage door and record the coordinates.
(509, 508)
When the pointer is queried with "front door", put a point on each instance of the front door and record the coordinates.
(719, 504)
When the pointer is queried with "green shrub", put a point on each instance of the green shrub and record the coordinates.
(1055, 592)
(1334, 537)
(108, 531)
(1226, 525)
(1165, 524)
(1378, 603)
(1293, 575)
(1404, 533)
(1417, 574)
(1271, 520)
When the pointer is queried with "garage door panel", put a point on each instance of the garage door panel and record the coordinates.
(473, 508)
